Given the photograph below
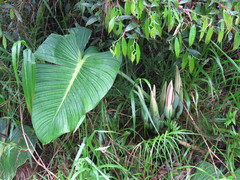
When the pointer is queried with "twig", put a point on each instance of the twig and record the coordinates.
(195, 148)
(205, 141)
(58, 149)
(28, 148)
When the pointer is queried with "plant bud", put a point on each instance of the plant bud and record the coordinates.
(154, 107)
(169, 100)
(163, 98)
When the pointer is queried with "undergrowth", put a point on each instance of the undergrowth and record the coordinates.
(118, 138)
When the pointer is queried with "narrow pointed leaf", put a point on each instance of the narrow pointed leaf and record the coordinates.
(141, 7)
(153, 32)
(117, 50)
(170, 20)
(11, 13)
(146, 28)
(120, 28)
(204, 28)
(111, 24)
(192, 35)
(191, 64)
(138, 53)
(177, 47)
(221, 32)
(127, 7)
(228, 19)
(130, 51)
(237, 21)
(4, 42)
(220, 36)
(91, 20)
(124, 47)
(133, 7)
(131, 26)
(185, 60)
(236, 42)
(209, 35)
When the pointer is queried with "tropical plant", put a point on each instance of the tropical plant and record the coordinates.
(182, 23)
(135, 131)
(170, 104)
(70, 84)
(17, 142)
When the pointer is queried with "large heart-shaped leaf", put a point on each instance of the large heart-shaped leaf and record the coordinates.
(71, 84)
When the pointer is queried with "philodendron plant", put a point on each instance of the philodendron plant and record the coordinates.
(70, 83)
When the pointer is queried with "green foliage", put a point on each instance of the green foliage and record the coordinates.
(150, 20)
(74, 84)
(170, 104)
(205, 170)
(84, 168)
(14, 151)
(28, 77)
(192, 35)
(133, 133)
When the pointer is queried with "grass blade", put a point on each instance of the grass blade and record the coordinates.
(230, 59)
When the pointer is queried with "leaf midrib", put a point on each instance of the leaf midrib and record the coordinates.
(76, 71)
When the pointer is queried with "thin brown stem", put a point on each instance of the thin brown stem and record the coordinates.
(29, 150)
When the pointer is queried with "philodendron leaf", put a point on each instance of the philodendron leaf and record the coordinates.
(70, 84)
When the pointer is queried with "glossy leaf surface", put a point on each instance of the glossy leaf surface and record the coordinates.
(70, 84)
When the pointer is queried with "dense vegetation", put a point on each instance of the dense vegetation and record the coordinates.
(135, 89)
